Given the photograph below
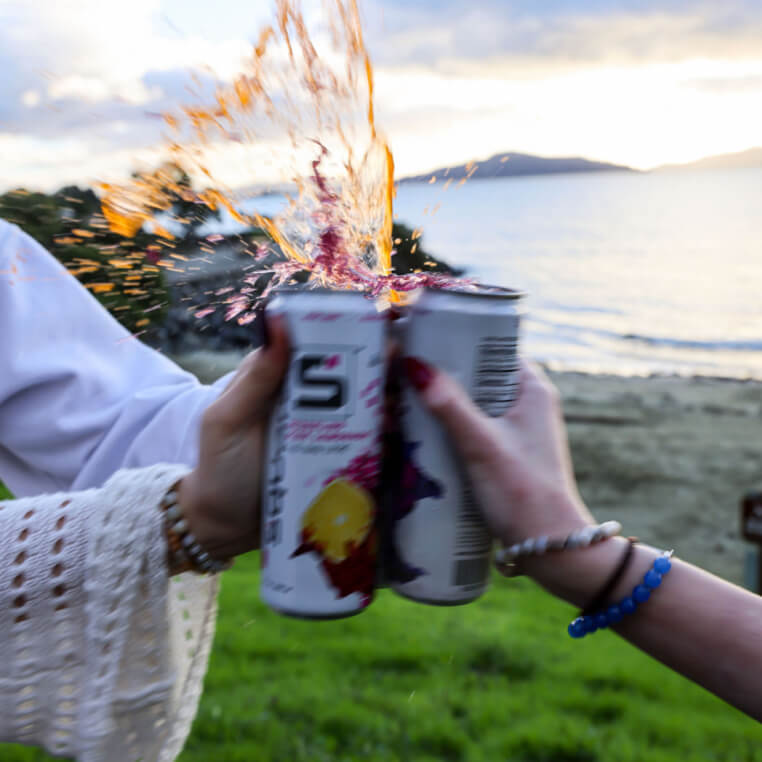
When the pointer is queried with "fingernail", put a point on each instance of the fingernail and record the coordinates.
(418, 372)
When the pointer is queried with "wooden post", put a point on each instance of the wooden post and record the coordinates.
(751, 529)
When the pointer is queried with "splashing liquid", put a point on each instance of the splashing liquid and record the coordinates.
(316, 90)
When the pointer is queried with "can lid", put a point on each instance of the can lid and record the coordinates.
(478, 289)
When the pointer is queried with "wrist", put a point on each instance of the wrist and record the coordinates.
(199, 516)
(221, 532)
(576, 576)
(190, 542)
(550, 515)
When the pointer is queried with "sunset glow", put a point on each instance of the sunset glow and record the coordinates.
(638, 84)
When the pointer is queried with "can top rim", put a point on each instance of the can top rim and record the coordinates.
(479, 289)
(299, 289)
(461, 289)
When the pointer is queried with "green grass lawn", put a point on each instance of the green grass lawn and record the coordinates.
(4, 492)
(496, 680)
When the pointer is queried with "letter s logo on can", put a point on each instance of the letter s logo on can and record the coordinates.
(321, 383)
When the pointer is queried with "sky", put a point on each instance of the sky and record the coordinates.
(640, 82)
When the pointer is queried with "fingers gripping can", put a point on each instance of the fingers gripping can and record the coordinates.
(441, 547)
(323, 457)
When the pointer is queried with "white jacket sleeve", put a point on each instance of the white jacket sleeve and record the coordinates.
(79, 397)
(103, 654)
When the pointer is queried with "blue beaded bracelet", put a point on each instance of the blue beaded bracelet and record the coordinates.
(583, 625)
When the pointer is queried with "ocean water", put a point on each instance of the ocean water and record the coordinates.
(625, 273)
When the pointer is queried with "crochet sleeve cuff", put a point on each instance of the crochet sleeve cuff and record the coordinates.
(107, 654)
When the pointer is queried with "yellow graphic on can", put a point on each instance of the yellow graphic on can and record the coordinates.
(339, 519)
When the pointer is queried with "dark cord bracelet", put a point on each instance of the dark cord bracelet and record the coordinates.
(605, 592)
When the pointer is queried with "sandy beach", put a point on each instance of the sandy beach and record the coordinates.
(669, 457)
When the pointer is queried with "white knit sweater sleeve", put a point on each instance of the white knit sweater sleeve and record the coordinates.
(104, 655)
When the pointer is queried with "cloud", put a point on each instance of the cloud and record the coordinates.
(723, 85)
(84, 80)
(88, 77)
(457, 37)
(66, 64)
(74, 106)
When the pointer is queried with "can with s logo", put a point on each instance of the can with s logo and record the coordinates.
(322, 465)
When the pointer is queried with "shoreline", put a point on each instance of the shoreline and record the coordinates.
(212, 363)
(668, 456)
(551, 370)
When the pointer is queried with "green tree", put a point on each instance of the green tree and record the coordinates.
(81, 202)
(174, 186)
(188, 210)
(122, 274)
(410, 256)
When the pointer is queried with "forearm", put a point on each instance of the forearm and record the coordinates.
(695, 623)
(522, 473)
(80, 398)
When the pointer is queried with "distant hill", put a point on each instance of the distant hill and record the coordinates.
(516, 164)
(740, 160)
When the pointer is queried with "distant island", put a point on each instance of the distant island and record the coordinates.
(515, 165)
(749, 159)
(523, 164)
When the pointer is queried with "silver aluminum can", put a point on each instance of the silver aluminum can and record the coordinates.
(319, 543)
(439, 549)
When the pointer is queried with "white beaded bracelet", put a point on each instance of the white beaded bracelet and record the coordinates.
(190, 549)
(506, 558)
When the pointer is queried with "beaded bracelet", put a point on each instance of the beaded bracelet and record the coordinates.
(186, 552)
(583, 625)
(506, 558)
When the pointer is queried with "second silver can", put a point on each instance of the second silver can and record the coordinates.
(442, 548)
